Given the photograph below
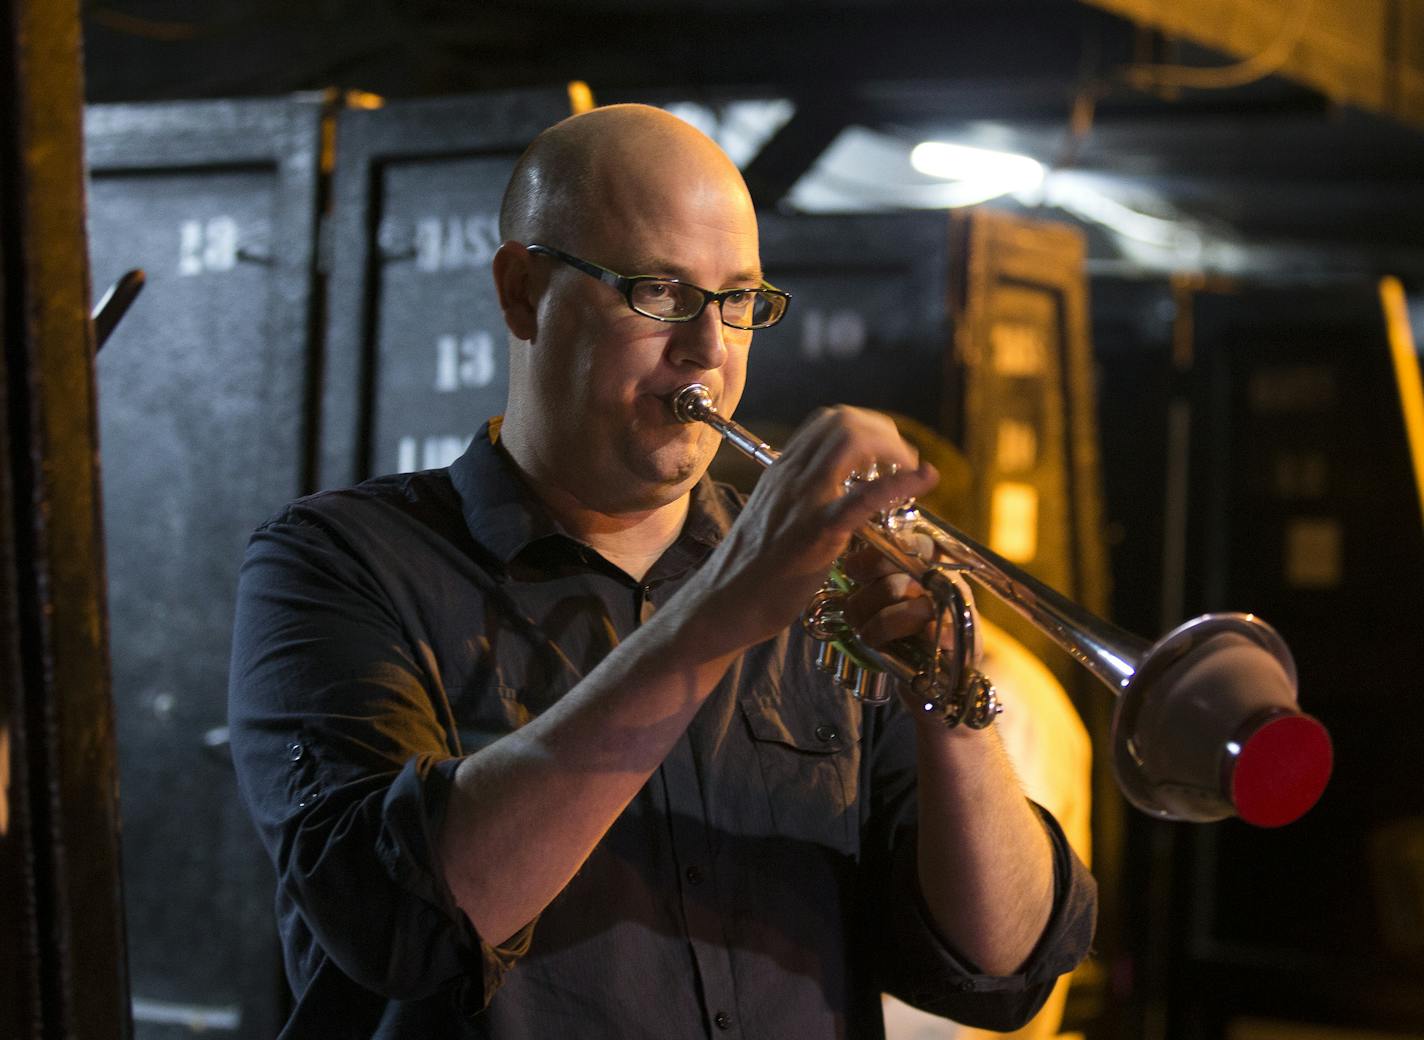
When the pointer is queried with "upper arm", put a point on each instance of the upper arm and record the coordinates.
(341, 753)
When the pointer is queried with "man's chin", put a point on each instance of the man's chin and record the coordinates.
(675, 477)
(672, 470)
(673, 455)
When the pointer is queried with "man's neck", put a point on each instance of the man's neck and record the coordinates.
(632, 540)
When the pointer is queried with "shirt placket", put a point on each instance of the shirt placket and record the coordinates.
(697, 891)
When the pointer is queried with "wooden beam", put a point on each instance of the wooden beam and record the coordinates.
(1368, 53)
(64, 963)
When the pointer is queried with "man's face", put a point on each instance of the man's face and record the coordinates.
(603, 374)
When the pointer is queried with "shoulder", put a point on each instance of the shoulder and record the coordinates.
(372, 518)
(427, 493)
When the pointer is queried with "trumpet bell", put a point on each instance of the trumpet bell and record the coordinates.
(1207, 727)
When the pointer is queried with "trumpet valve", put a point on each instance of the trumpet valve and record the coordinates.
(938, 697)
(873, 687)
(824, 617)
(848, 673)
(983, 702)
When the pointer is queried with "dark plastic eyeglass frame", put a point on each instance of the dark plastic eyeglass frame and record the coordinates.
(626, 283)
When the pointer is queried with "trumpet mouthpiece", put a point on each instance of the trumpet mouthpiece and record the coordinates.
(692, 403)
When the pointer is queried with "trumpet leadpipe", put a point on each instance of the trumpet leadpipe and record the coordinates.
(693, 403)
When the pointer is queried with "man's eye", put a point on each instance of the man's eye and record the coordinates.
(740, 298)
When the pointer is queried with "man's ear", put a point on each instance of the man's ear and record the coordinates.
(514, 284)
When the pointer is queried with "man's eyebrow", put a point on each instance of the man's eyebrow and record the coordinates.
(672, 269)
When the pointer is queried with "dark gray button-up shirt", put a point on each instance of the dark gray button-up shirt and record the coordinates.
(760, 885)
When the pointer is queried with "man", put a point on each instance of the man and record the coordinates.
(529, 739)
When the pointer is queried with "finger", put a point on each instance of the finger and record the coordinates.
(864, 563)
(865, 500)
(905, 619)
(873, 597)
(843, 439)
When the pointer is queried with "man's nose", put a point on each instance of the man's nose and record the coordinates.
(701, 342)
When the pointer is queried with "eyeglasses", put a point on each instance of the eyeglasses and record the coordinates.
(671, 299)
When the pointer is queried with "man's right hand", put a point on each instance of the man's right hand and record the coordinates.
(799, 520)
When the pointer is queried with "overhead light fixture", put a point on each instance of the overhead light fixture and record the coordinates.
(990, 173)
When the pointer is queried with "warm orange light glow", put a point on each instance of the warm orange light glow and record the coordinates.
(1406, 375)
(363, 99)
(580, 97)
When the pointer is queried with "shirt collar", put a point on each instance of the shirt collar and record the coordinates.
(505, 516)
(709, 516)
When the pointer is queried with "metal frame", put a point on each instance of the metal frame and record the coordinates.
(996, 250)
(284, 134)
(280, 138)
(367, 140)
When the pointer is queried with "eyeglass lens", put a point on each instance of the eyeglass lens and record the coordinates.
(672, 300)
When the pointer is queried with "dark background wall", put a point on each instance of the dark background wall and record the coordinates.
(317, 311)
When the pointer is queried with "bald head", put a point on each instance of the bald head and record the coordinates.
(637, 191)
(582, 167)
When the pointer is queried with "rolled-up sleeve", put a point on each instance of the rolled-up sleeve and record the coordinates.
(345, 753)
(932, 976)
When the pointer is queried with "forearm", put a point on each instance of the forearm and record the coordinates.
(985, 864)
(527, 810)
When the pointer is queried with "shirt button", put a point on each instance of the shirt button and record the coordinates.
(826, 733)
(694, 875)
(296, 751)
(722, 1020)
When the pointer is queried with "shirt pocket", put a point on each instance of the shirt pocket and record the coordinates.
(805, 735)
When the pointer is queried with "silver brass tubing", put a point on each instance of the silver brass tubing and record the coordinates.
(693, 403)
(846, 672)
(876, 690)
(1107, 651)
(862, 680)
(1190, 707)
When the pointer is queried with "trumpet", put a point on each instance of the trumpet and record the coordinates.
(1206, 723)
